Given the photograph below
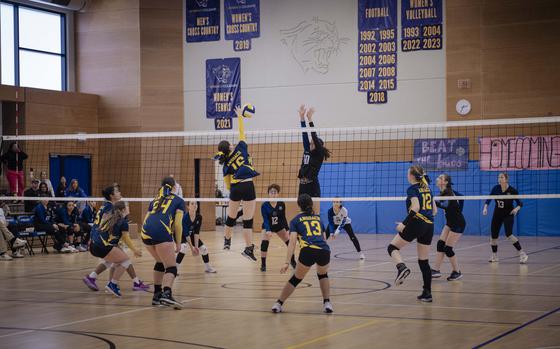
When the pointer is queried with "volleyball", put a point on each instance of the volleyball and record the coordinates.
(248, 110)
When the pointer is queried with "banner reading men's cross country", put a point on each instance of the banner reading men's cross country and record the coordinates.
(203, 20)
(223, 89)
(242, 21)
(421, 25)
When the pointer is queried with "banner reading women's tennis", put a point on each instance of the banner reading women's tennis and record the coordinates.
(243, 22)
(203, 20)
(223, 87)
(377, 48)
(421, 25)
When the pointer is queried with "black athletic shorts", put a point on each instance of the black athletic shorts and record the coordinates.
(309, 256)
(99, 251)
(313, 189)
(242, 191)
(417, 229)
(458, 228)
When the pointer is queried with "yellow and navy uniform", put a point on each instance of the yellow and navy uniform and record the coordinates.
(421, 226)
(106, 207)
(314, 248)
(237, 170)
(159, 224)
(104, 238)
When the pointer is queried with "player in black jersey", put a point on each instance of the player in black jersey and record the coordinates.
(274, 221)
(313, 156)
(504, 213)
(419, 225)
(192, 222)
(453, 229)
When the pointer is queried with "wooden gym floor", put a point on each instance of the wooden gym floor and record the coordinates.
(44, 304)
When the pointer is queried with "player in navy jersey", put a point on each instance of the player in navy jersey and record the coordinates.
(161, 233)
(274, 221)
(238, 174)
(452, 231)
(112, 195)
(313, 156)
(339, 220)
(504, 213)
(104, 243)
(307, 228)
(192, 222)
(419, 225)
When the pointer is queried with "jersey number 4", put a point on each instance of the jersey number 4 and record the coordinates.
(313, 228)
(426, 201)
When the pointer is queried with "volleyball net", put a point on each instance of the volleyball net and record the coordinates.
(367, 164)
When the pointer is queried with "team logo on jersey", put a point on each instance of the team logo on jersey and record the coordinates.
(313, 43)
(202, 3)
(222, 73)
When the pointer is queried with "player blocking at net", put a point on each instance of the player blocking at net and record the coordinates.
(238, 174)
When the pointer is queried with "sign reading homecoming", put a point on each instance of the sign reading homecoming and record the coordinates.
(520, 153)
(377, 48)
(223, 87)
(203, 20)
(421, 25)
(242, 22)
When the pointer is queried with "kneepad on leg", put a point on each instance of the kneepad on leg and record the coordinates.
(159, 267)
(230, 222)
(203, 250)
(322, 276)
(449, 251)
(126, 264)
(441, 246)
(392, 248)
(248, 224)
(294, 281)
(264, 245)
(171, 270)
(512, 238)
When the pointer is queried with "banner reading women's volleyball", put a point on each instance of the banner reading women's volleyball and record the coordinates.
(520, 153)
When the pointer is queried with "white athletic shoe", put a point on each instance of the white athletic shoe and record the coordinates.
(82, 248)
(523, 257)
(5, 257)
(210, 269)
(65, 249)
(362, 257)
(494, 258)
(327, 307)
(277, 308)
(18, 254)
(73, 249)
(19, 243)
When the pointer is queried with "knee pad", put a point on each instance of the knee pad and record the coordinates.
(230, 222)
(449, 251)
(264, 245)
(126, 264)
(441, 246)
(107, 264)
(294, 281)
(203, 250)
(159, 267)
(392, 248)
(322, 276)
(171, 270)
(248, 224)
(494, 242)
(512, 238)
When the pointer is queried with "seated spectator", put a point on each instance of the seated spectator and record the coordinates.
(67, 221)
(61, 188)
(86, 219)
(74, 191)
(44, 221)
(44, 189)
(28, 205)
(6, 237)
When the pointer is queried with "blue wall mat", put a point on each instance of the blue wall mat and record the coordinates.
(537, 218)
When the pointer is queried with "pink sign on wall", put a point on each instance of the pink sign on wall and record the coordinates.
(520, 153)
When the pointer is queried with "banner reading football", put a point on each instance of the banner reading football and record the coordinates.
(242, 21)
(223, 87)
(421, 25)
(520, 153)
(203, 20)
(442, 154)
(377, 48)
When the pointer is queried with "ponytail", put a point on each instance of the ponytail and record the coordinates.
(167, 185)
(420, 175)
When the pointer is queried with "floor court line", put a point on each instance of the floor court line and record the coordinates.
(318, 339)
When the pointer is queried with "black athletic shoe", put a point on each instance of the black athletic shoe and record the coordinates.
(248, 253)
(426, 296)
(227, 244)
(436, 274)
(168, 300)
(156, 298)
(455, 275)
(263, 268)
(402, 273)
